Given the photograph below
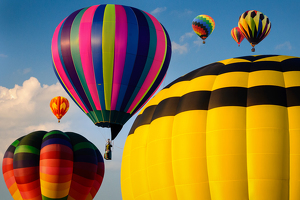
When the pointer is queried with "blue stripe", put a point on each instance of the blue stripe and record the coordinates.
(131, 53)
(142, 53)
(150, 58)
(56, 141)
(160, 76)
(97, 51)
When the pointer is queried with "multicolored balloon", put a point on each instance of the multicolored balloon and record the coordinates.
(255, 26)
(237, 35)
(110, 59)
(53, 165)
(203, 26)
(228, 130)
(59, 106)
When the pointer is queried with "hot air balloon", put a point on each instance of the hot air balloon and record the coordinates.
(59, 106)
(255, 26)
(53, 165)
(228, 130)
(203, 26)
(237, 35)
(110, 59)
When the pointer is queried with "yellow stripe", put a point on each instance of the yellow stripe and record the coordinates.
(266, 77)
(108, 44)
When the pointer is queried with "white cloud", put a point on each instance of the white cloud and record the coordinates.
(187, 35)
(181, 49)
(25, 108)
(183, 13)
(198, 42)
(284, 46)
(26, 70)
(3, 55)
(158, 10)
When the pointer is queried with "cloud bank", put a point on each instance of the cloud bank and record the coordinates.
(158, 10)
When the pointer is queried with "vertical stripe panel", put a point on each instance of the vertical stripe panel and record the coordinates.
(68, 60)
(157, 64)
(59, 70)
(141, 59)
(120, 52)
(85, 48)
(131, 53)
(108, 51)
(96, 42)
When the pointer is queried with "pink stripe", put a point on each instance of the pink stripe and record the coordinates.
(60, 70)
(120, 52)
(157, 62)
(85, 48)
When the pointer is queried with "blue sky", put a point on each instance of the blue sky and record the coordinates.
(27, 80)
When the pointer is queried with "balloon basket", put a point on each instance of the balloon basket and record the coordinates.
(253, 49)
(203, 42)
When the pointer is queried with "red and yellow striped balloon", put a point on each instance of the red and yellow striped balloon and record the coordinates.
(59, 106)
(237, 35)
(53, 166)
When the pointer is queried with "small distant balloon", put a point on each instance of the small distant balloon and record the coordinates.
(255, 26)
(59, 106)
(203, 26)
(237, 35)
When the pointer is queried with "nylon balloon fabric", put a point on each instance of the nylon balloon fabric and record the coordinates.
(237, 35)
(53, 165)
(228, 130)
(59, 106)
(255, 26)
(203, 26)
(110, 59)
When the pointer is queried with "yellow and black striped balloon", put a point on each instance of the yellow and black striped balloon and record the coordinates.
(226, 131)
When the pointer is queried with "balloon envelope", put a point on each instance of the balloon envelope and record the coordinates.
(237, 35)
(228, 130)
(110, 59)
(255, 26)
(203, 26)
(59, 106)
(53, 165)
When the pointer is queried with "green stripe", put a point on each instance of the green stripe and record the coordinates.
(47, 198)
(55, 132)
(27, 149)
(108, 44)
(83, 145)
(15, 143)
(74, 44)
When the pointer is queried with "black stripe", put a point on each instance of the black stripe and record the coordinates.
(266, 65)
(236, 67)
(211, 69)
(266, 94)
(194, 101)
(292, 64)
(143, 119)
(167, 107)
(229, 96)
(293, 96)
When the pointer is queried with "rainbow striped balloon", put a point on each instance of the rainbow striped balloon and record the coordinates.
(110, 59)
(203, 26)
(53, 165)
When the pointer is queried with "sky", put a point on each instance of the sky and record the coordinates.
(28, 82)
